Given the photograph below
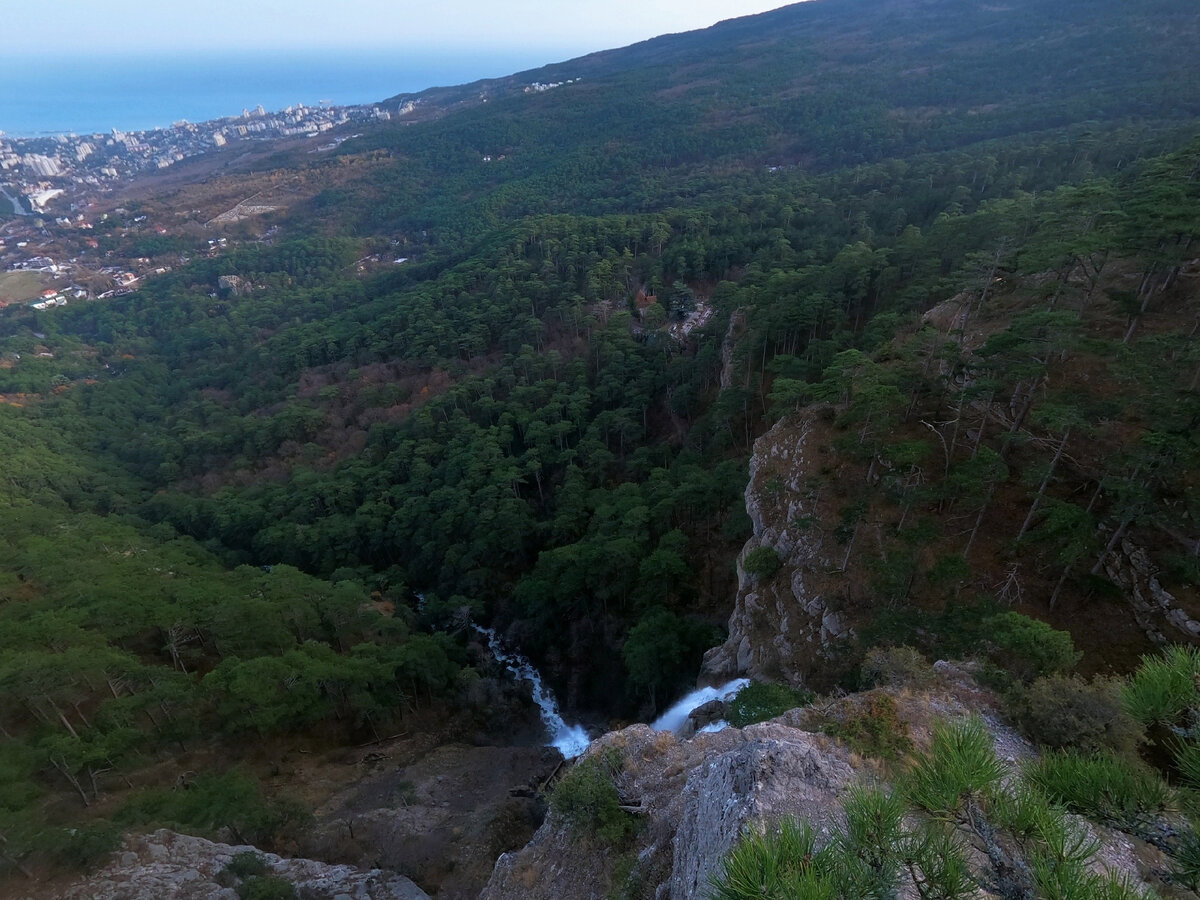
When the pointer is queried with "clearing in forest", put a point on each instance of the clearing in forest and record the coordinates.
(18, 286)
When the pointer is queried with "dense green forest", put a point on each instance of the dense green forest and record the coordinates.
(277, 510)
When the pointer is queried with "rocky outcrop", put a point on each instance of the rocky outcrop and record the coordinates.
(232, 285)
(704, 715)
(785, 625)
(737, 323)
(696, 797)
(1155, 609)
(776, 772)
(951, 315)
(166, 865)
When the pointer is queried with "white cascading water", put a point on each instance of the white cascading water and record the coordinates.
(676, 717)
(571, 740)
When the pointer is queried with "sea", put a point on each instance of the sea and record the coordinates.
(56, 93)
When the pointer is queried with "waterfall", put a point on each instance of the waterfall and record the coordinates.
(571, 740)
(676, 717)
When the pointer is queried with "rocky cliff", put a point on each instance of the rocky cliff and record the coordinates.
(786, 624)
(1155, 609)
(693, 798)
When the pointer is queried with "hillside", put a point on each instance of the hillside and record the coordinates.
(866, 320)
(911, 76)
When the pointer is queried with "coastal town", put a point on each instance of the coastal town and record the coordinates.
(36, 170)
(70, 207)
(53, 214)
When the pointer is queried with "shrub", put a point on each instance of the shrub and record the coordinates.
(762, 562)
(588, 801)
(267, 887)
(1056, 848)
(1071, 882)
(83, 846)
(1185, 859)
(1102, 787)
(230, 800)
(869, 848)
(26, 840)
(247, 863)
(873, 728)
(938, 853)
(1068, 713)
(1163, 688)
(1187, 762)
(778, 864)
(1033, 848)
(865, 860)
(900, 666)
(961, 762)
(1028, 649)
(758, 701)
(19, 787)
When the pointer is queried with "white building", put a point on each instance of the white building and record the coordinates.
(43, 166)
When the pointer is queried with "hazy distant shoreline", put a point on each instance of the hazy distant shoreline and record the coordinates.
(42, 97)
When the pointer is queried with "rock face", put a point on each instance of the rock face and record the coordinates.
(1155, 609)
(777, 771)
(704, 714)
(232, 285)
(696, 796)
(951, 315)
(784, 626)
(169, 866)
(737, 322)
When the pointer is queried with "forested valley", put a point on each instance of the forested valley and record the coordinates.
(964, 240)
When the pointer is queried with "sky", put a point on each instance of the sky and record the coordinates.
(563, 26)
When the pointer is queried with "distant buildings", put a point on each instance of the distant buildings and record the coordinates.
(43, 166)
(539, 87)
(39, 199)
(53, 184)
